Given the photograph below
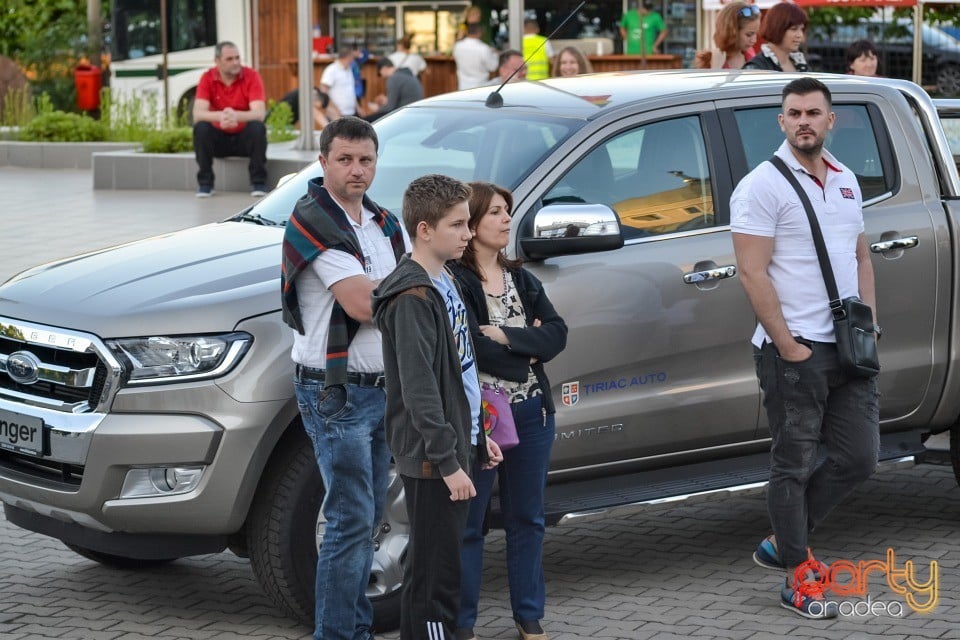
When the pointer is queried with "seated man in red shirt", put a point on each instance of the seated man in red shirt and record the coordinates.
(228, 114)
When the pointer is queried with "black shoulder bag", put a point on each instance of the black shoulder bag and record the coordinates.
(852, 319)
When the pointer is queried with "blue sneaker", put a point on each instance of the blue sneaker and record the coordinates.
(204, 191)
(808, 601)
(767, 556)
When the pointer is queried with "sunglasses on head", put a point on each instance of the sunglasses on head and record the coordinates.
(749, 11)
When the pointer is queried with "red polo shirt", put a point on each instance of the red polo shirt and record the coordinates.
(247, 88)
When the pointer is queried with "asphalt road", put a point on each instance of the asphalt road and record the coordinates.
(672, 570)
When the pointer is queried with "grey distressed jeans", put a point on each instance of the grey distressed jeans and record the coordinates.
(813, 408)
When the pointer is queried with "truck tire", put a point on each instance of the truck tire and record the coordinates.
(117, 562)
(285, 527)
(948, 80)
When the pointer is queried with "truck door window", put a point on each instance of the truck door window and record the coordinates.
(655, 177)
(852, 141)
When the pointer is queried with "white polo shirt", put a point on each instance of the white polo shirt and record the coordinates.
(342, 90)
(764, 204)
(316, 300)
(476, 60)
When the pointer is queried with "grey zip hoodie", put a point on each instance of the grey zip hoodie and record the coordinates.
(427, 416)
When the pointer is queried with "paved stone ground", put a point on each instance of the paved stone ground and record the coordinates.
(674, 570)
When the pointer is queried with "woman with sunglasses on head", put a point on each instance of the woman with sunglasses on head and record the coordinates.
(515, 330)
(783, 29)
(735, 34)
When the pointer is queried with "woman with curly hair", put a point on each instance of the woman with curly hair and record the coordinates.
(735, 34)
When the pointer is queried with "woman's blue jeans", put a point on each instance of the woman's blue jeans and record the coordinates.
(523, 477)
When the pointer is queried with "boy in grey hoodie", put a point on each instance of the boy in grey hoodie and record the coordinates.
(433, 401)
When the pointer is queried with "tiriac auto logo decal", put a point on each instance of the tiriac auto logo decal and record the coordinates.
(846, 579)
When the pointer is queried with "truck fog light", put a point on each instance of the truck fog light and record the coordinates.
(160, 481)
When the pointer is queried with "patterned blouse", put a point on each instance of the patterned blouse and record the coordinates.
(507, 311)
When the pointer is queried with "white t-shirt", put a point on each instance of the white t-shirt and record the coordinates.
(316, 301)
(764, 204)
(476, 60)
(408, 60)
(342, 90)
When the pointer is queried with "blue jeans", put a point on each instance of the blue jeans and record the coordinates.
(345, 424)
(523, 478)
(813, 408)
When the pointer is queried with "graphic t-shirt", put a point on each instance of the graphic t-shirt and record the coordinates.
(461, 336)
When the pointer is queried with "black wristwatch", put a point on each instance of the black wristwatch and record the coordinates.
(878, 331)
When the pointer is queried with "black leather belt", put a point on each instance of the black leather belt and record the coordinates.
(359, 379)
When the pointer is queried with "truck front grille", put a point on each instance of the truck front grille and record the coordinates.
(53, 368)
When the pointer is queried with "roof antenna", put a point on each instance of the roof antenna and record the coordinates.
(495, 100)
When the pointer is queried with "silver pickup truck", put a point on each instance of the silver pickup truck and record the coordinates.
(146, 401)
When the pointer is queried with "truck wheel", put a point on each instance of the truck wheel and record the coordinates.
(117, 562)
(948, 80)
(285, 528)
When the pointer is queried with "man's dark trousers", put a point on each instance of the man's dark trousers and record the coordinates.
(210, 142)
(813, 408)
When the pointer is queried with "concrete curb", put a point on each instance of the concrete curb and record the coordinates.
(56, 155)
(178, 171)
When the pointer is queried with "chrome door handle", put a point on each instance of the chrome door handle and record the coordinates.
(899, 243)
(718, 273)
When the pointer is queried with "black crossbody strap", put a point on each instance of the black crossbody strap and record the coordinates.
(825, 267)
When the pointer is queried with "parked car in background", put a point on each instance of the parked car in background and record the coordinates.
(827, 50)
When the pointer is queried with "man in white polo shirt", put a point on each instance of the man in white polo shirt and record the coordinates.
(337, 245)
(337, 82)
(808, 399)
(475, 59)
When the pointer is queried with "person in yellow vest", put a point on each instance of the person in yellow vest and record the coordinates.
(538, 64)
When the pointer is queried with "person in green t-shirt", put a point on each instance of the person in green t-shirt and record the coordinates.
(642, 29)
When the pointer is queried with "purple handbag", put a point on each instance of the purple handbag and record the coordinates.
(498, 421)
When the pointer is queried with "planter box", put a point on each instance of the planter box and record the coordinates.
(56, 155)
(178, 171)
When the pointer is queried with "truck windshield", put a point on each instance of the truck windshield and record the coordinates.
(486, 144)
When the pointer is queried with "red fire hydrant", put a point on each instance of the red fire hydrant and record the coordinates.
(88, 81)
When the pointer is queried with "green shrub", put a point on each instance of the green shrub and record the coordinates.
(279, 122)
(169, 140)
(129, 118)
(18, 108)
(63, 127)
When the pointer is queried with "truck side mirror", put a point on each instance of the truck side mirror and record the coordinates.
(568, 229)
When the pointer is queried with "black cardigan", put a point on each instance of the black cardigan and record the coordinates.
(543, 342)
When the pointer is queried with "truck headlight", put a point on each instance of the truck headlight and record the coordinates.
(159, 359)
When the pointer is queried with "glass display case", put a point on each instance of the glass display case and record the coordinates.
(433, 25)
(680, 19)
(374, 25)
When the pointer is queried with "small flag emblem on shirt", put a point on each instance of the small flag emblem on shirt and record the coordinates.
(847, 193)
